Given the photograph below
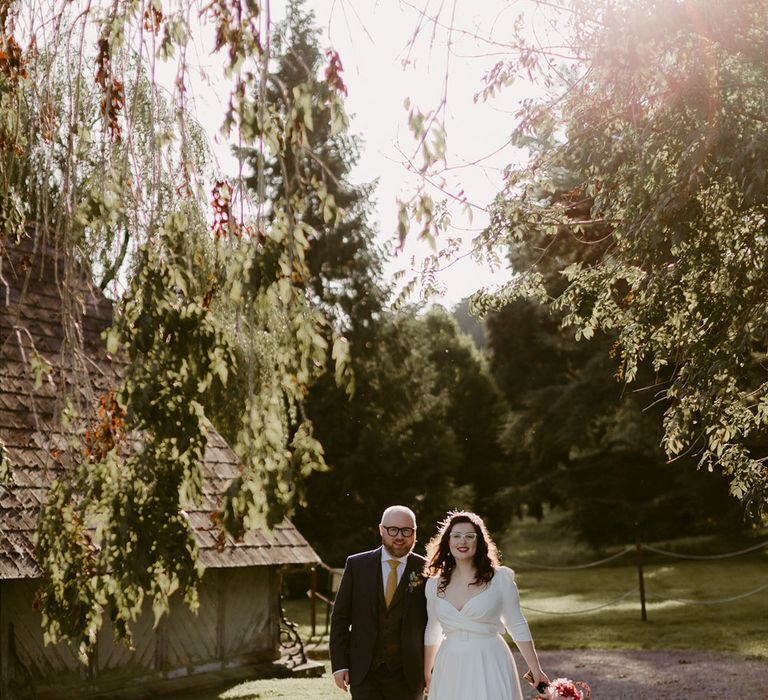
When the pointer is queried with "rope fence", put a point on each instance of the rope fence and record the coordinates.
(623, 596)
(675, 555)
(640, 588)
(588, 565)
(335, 574)
(759, 589)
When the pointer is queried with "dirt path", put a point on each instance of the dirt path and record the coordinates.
(660, 675)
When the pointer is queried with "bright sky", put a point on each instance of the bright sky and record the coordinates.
(383, 67)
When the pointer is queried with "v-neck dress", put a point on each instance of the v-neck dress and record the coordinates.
(473, 661)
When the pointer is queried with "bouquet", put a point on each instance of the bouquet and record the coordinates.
(565, 689)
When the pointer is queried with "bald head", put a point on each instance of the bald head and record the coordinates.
(397, 513)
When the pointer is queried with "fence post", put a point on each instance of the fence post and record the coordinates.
(313, 598)
(641, 580)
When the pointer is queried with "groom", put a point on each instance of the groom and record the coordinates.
(377, 626)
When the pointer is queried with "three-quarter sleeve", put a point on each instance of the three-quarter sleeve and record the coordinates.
(511, 615)
(433, 633)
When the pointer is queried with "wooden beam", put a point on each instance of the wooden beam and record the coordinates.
(221, 602)
(4, 663)
(161, 645)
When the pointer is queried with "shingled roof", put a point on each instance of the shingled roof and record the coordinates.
(33, 329)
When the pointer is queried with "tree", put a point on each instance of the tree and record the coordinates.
(578, 441)
(97, 159)
(343, 261)
(469, 324)
(395, 438)
(657, 115)
(392, 443)
(576, 437)
(475, 413)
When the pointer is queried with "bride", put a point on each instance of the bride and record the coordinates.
(471, 599)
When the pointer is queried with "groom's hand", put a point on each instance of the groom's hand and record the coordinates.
(342, 679)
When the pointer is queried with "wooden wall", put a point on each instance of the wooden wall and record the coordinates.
(237, 624)
(26, 663)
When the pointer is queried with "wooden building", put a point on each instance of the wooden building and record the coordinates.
(238, 624)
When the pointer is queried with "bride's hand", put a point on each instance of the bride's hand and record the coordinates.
(540, 677)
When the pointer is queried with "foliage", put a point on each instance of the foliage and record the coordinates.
(476, 410)
(287, 350)
(588, 445)
(143, 545)
(342, 268)
(391, 443)
(344, 265)
(5, 465)
(657, 116)
(575, 438)
(469, 324)
(96, 164)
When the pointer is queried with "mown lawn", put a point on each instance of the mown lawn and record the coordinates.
(739, 627)
(296, 689)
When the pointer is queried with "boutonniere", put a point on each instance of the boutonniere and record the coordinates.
(415, 580)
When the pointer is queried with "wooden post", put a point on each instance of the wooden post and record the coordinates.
(93, 663)
(161, 646)
(641, 580)
(4, 665)
(221, 611)
(313, 598)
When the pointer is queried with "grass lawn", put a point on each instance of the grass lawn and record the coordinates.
(294, 688)
(739, 627)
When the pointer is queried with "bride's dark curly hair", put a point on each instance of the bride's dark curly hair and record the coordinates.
(440, 561)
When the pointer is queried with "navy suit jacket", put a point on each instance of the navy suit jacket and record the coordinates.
(354, 621)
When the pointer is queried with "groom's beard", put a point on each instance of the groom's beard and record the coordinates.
(399, 551)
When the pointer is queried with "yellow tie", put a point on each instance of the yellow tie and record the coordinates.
(389, 591)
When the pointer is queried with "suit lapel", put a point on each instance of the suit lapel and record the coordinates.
(410, 567)
(373, 568)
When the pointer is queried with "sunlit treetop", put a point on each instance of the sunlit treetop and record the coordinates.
(640, 210)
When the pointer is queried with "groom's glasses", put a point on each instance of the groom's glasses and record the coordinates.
(405, 531)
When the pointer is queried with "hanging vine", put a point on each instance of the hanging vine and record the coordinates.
(98, 164)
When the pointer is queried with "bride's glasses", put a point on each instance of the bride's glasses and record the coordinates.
(466, 536)
(405, 531)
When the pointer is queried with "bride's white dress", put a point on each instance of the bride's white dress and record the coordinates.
(473, 661)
